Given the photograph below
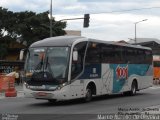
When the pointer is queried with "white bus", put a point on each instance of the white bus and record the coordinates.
(70, 67)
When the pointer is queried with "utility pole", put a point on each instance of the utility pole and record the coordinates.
(51, 19)
(136, 28)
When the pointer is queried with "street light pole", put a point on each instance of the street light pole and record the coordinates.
(135, 32)
(136, 28)
(51, 19)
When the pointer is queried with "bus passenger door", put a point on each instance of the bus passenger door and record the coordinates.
(77, 84)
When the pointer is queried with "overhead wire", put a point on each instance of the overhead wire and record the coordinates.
(129, 10)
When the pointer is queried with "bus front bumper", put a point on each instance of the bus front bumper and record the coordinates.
(62, 94)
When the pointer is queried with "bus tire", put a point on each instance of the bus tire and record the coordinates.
(88, 96)
(133, 88)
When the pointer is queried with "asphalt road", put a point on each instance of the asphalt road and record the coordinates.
(42, 110)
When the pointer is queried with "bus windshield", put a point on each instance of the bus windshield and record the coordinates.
(47, 64)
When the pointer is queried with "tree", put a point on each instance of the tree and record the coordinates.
(6, 33)
(3, 50)
(33, 27)
(26, 27)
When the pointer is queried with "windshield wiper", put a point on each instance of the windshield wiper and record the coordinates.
(49, 67)
(46, 62)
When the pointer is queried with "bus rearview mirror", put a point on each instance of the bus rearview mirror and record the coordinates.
(75, 55)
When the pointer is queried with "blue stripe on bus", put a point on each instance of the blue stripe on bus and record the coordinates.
(91, 71)
(133, 69)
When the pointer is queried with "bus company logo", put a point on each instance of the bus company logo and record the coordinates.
(122, 72)
(94, 73)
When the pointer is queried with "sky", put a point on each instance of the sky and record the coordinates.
(110, 20)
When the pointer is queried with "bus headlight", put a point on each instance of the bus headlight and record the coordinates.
(61, 86)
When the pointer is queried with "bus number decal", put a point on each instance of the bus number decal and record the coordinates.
(122, 72)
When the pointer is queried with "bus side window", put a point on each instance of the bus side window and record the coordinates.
(148, 56)
(77, 66)
(107, 53)
(113, 54)
(93, 55)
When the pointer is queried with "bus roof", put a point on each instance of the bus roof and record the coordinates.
(56, 41)
(69, 40)
(120, 44)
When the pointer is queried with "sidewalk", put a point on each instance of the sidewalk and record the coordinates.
(19, 89)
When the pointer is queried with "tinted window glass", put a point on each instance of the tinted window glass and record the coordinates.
(93, 53)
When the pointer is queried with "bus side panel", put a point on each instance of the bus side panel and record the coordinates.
(77, 89)
(106, 79)
(116, 78)
(101, 75)
(124, 74)
(92, 73)
(147, 79)
(120, 77)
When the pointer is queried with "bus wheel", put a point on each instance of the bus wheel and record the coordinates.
(133, 88)
(88, 96)
(52, 100)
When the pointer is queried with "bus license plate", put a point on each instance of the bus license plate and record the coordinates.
(41, 94)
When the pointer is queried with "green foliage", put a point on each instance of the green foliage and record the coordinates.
(26, 26)
(4, 39)
(33, 27)
(3, 51)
